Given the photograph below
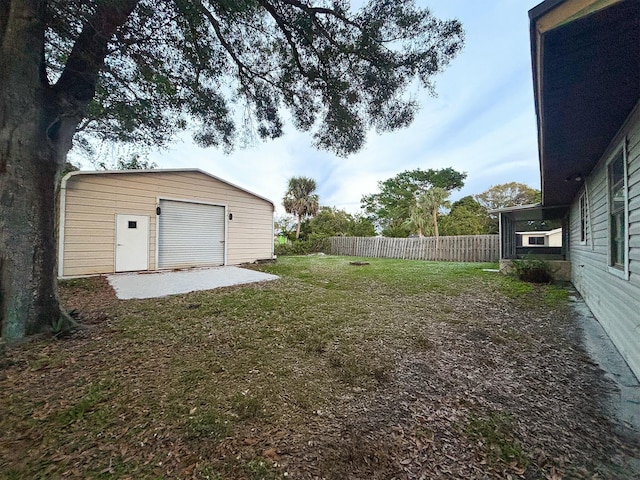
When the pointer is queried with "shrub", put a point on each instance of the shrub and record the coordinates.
(532, 270)
(314, 244)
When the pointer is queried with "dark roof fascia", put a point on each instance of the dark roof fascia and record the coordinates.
(531, 206)
(533, 212)
(543, 8)
(534, 14)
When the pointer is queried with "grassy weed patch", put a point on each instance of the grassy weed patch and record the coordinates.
(555, 296)
(209, 424)
(95, 394)
(496, 434)
(247, 406)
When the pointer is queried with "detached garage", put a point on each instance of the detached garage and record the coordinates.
(123, 221)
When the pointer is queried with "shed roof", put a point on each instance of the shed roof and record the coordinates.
(586, 73)
(545, 233)
(159, 170)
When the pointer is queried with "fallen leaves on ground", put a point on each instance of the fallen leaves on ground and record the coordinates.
(409, 370)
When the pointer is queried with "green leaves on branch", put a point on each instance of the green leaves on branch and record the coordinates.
(391, 207)
(332, 222)
(423, 216)
(508, 195)
(213, 66)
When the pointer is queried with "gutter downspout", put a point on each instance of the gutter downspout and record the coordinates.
(62, 196)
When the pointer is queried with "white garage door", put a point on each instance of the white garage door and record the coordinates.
(190, 234)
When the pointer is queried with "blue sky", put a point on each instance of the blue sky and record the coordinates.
(482, 122)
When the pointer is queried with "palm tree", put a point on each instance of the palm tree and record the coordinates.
(431, 201)
(424, 214)
(300, 199)
(418, 220)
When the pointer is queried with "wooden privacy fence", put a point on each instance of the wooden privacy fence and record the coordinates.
(462, 248)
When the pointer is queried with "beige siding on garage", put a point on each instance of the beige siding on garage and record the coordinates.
(614, 301)
(92, 201)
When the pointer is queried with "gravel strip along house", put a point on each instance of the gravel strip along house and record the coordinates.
(146, 220)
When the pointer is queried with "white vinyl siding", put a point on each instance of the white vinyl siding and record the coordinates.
(190, 234)
(613, 298)
(93, 199)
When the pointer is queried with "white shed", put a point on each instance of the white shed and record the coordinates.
(541, 238)
(120, 221)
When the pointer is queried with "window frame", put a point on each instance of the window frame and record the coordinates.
(583, 213)
(533, 240)
(618, 269)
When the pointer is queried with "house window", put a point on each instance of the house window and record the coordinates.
(618, 212)
(584, 212)
(536, 240)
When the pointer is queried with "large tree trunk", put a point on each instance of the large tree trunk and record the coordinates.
(28, 295)
(29, 161)
(37, 124)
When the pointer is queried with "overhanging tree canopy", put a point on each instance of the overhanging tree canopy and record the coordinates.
(141, 70)
(339, 73)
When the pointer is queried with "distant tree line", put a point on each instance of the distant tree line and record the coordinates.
(412, 203)
(416, 202)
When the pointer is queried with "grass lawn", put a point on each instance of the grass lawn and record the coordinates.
(396, 369)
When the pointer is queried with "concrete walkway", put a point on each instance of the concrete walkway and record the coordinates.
(161, 284)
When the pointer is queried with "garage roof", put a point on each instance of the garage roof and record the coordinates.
(158, 170)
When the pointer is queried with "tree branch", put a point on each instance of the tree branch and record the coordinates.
(278, 19)
(244, 70)
(78, 79)
(313, 11)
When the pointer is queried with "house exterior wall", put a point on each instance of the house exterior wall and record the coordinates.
(555, 238)
(91, 202)
(613, 299)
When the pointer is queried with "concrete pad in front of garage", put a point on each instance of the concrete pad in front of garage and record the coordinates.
(161, 284)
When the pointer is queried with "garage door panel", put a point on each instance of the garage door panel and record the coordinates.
(190, 234)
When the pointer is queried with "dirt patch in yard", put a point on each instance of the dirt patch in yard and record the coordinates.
(91, 300)
(401, 370)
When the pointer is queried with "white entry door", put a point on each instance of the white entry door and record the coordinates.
(132, 243)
